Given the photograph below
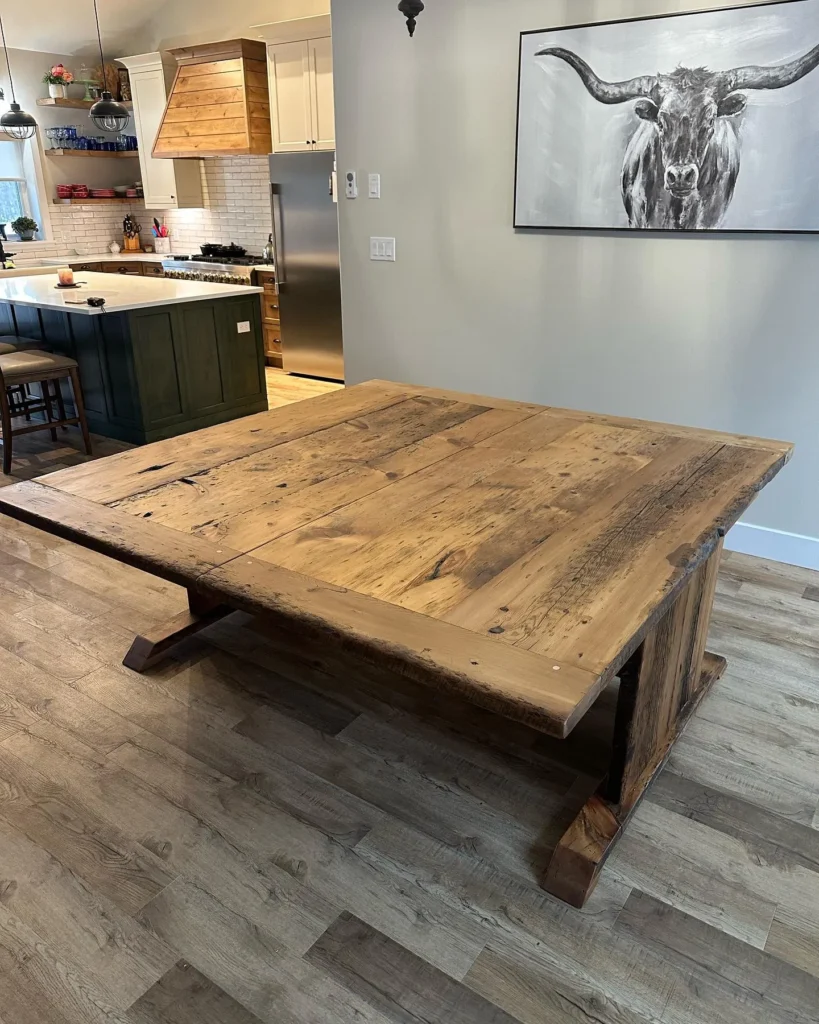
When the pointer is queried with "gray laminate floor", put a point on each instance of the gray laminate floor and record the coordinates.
(258, 833)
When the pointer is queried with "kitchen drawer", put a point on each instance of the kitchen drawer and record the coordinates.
(153, 270)
(267, 279)
(272, 340)
(130, 269)
(270, 307)
(88, 267)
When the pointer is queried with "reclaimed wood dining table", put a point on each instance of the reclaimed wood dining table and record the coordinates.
(520, 556)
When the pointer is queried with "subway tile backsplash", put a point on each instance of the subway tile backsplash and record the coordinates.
(237, 206)
(237, 209)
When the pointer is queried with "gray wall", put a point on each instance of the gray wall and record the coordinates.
(710, 331)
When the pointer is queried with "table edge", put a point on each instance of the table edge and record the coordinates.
(456, 659)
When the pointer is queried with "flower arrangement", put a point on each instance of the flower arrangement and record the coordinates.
(58, 75)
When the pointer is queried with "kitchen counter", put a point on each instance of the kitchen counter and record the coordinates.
(121, 293)
(164, 358)
(103, 257)
(126, 257)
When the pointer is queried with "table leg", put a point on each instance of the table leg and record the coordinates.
(660, 687)
(147, 651)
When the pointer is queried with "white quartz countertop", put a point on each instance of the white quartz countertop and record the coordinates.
(121, 293)
(102, 257)
(97, 257)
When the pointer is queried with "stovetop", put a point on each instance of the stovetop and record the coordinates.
(226, 261)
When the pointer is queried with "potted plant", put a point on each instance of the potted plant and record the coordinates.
(57, 79)
(25, 228)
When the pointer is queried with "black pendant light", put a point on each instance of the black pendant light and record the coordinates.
(15, 123)
(106, 113)
(411, 9)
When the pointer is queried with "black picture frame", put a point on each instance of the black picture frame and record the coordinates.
(639, 232)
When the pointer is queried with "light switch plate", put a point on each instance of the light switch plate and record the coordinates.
(243, 327)
(375, 186)
(382, 249)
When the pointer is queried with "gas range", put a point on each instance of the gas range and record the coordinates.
(219, 269)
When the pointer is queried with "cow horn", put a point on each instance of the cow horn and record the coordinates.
(772, 77)
(605, 92)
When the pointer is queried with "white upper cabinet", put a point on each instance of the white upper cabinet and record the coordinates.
(168, 184)
(321, 92)
(301, 95)
(290, 106)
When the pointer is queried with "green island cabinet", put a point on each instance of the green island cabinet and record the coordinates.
(160, 371)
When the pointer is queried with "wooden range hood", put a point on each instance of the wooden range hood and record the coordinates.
(219, 103)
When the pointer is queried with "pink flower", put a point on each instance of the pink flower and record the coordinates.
(58, 69)
(67, 77)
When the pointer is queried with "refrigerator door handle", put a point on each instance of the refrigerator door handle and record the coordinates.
(278, 233)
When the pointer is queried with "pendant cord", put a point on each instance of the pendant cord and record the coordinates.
(99, 40)
(8, 62)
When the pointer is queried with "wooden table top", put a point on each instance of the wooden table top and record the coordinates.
(512, 552)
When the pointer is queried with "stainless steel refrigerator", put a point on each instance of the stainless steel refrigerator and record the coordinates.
(305, 236)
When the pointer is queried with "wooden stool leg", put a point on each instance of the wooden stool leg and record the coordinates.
(80, 406)
(5, 422)
(147, 651)
(48, 410)
(660, 688)
(58, 394)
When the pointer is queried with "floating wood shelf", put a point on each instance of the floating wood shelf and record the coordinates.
(47, 101)
(99, 202)
(92, 152)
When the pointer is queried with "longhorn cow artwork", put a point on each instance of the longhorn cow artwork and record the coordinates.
(673, 159)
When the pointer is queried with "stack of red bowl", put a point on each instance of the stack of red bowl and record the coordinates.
(79, 191)
(64, 191)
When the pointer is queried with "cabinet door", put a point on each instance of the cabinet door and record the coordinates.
(290, 104)
(321, 92)
(158, 177)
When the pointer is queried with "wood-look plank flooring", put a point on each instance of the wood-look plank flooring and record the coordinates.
(256, 833)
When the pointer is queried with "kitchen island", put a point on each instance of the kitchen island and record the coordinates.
(161, 358)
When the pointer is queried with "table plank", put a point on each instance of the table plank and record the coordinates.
(141, 469)
(592, 589)
(240, 484)
(521, 685)
(138, 542)
(784, 448)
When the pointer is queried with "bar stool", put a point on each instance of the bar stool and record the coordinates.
(31, 366)
(20, 395)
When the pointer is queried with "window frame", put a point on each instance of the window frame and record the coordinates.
(35, 191)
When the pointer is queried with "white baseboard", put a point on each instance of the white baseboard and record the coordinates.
(792, 548)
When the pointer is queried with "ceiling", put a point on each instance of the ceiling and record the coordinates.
(63, 28)
(137, 26)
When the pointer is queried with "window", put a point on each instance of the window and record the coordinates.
(14, 191)
(22, 187)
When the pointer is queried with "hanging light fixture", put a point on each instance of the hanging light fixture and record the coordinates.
(15, 123)
(106, 113)
(411, 9)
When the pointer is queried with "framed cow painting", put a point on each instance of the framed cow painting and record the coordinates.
(704, 121)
